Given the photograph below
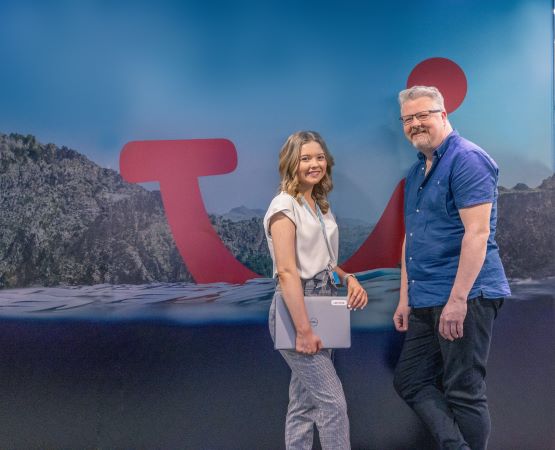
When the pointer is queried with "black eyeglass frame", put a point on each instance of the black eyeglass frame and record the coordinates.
(405, 120)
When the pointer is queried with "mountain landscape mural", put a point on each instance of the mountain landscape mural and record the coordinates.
(68, 221)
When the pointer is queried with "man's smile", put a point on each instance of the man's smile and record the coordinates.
(418, 132)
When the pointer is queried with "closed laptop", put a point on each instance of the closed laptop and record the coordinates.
(328, 315)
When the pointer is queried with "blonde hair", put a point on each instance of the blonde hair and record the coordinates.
(289, 159)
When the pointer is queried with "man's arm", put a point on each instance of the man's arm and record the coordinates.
(401, 315)
(473, 252)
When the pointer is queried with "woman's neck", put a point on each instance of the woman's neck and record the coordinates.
(307, 194)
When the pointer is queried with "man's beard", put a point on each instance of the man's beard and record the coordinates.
(421, 142)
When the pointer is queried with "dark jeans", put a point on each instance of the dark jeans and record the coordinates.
(443, 381)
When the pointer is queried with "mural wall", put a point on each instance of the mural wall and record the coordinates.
(138, 153)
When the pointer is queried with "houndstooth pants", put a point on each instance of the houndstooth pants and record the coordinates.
(315, 393)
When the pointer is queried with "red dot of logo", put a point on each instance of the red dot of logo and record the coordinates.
(445, 75)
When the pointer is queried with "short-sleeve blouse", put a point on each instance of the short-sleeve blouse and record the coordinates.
(310, 244)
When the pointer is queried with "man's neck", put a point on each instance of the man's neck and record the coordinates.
(429, 153)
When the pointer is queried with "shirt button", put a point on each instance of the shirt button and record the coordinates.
(410, 234)
(412, 281)
(417, 210)
(410, 258)
(420, 188)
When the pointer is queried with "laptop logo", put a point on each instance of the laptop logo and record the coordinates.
(339, 302)
(313, 321)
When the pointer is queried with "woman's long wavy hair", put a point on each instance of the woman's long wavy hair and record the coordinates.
(289, 160)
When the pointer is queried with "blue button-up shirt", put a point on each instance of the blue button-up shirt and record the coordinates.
(462, 175)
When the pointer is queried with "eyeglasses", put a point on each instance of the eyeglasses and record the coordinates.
(422, 116)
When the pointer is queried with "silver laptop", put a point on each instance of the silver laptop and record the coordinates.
(329, 317)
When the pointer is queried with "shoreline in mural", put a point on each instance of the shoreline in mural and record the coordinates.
(68, 221)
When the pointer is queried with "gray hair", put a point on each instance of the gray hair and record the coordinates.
(422, 91)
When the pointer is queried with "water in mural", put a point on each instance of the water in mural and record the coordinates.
(199, 304)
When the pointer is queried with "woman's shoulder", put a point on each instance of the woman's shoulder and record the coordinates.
(329, 215)
(281, 203)
(283, 199)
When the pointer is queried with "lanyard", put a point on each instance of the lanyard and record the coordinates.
(323, 227)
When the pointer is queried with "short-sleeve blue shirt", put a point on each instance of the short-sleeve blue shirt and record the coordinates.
(462, 175)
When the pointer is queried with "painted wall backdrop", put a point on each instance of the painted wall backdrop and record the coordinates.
(138, 153)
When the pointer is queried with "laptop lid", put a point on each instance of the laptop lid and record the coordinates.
(329, 317)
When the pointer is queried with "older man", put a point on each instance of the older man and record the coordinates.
(452, 279)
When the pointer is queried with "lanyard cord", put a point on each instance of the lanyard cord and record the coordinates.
(323, 227)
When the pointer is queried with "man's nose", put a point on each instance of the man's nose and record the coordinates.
(415, 122)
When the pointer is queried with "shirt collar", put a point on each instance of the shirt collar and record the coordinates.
(438, 152)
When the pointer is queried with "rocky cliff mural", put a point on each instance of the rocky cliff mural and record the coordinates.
(67, 221)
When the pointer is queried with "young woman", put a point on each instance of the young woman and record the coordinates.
(303, 239)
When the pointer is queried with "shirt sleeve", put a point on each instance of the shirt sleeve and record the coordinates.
(474, 179)
(280, 204)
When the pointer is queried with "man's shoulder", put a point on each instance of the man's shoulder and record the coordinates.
(461, 144)
(466, 151)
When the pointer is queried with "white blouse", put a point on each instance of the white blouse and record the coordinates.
(310, 245)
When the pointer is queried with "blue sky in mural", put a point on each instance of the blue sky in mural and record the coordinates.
(95, 75)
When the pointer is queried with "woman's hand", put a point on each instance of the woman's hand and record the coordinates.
(308, 342)
(358, 298)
